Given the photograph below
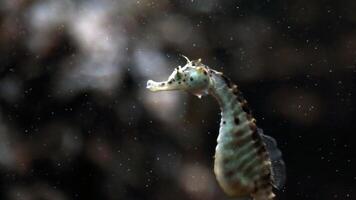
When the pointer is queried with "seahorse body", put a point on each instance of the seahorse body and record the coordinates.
(243, 164)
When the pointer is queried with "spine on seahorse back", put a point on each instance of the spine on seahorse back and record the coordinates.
(242, 165)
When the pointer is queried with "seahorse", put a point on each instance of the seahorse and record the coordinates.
(247, 162)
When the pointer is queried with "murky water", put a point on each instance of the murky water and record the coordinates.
(76, 120)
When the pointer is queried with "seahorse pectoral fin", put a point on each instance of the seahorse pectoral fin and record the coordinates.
(278, 165)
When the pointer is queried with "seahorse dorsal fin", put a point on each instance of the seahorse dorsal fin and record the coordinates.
(278, 166)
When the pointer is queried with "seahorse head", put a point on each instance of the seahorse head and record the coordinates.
(193, 78)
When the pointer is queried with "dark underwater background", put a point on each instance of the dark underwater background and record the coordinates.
(76, 121)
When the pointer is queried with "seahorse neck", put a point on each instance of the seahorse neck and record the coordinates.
(227, 94)
(235, 114)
